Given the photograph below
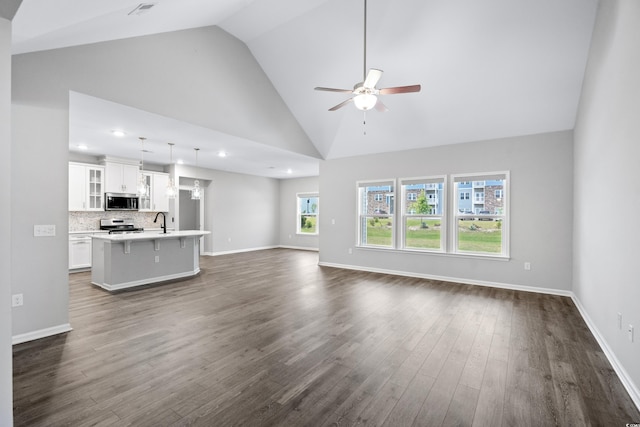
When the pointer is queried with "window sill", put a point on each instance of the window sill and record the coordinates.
(436, 253)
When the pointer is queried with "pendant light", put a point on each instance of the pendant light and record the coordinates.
(196, 191)
(142, 182)
(171, 187)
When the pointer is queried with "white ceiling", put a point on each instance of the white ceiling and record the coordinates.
(488, 68)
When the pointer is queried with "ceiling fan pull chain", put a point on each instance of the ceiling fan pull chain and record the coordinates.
(364, 123)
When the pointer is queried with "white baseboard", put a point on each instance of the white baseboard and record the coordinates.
(237, 251)
(452, 279)
(299, 248)
(41, 333)
(627, 382)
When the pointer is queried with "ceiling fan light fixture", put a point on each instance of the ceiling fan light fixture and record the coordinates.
(365, 101)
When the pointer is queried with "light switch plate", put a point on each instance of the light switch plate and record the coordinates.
(44, 230)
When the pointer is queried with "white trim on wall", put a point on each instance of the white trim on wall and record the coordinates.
(625, 378)
(627, 381)
(41, 333)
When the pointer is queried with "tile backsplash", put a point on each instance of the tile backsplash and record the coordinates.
(89, 221)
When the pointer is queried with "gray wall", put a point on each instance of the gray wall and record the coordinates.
(541, 209)
(200, 76)
(288, 212)
(241, 211)
(6, 401)
(607, 149)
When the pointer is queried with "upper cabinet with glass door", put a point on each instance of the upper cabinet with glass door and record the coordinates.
(155, 198)
(86, 187)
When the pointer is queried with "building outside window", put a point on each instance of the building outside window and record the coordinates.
(375, 214)
(422, 218)
(308, 211)
(486, 230)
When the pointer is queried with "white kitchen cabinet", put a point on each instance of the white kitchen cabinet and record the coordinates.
(159, 192)
(79, 252)
(86, 187)
(156, 198)
(121, 177)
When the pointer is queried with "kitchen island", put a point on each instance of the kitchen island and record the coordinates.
(122, 261)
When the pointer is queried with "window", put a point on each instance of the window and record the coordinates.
(474, 222)
(308, 210)
(486, 231)
(422, 218)
(375, 214)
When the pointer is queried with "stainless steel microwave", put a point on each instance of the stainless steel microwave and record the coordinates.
(120, 202)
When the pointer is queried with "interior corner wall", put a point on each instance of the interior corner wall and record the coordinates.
(199, 76)
(6, 373)
(39, 180)
(289, 188)
(607, 176)
(241, 211)
(541, 174)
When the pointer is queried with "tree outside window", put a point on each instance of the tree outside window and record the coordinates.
(308, 211)
(422, 218)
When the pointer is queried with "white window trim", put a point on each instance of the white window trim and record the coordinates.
(370, 183)
(299, 213)
(403, 215)
(453, 235)
(449, 218)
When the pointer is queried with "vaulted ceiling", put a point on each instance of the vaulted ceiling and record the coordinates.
(488, 68)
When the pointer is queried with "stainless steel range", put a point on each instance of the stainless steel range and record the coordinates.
(119, 226)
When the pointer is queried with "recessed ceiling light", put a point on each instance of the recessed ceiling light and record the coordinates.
(180, 162)
(222, 154)
(118, 133)
(83, 147)
(289, 171)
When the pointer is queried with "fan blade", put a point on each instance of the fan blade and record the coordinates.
(342, 104)
(400, 89)
(373, 76)
(380, 106)
(329, 89)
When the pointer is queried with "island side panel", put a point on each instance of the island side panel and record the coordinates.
(139, 265)
(97, 261)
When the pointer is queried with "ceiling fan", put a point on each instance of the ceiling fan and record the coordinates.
(365, 93)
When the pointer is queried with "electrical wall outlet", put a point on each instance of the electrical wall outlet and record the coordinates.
(17, 300)
(527, 266)
(350, 251)
(157, 258)
(630, 330)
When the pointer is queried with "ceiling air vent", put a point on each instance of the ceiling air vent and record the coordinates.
(141, 8)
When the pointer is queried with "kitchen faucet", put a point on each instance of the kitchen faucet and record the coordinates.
(164, 221)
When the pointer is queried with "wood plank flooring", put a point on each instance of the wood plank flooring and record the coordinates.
(270, 338)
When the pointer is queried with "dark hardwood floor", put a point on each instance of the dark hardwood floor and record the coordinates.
(271, 338)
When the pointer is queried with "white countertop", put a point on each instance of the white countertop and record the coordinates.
(150, 235)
